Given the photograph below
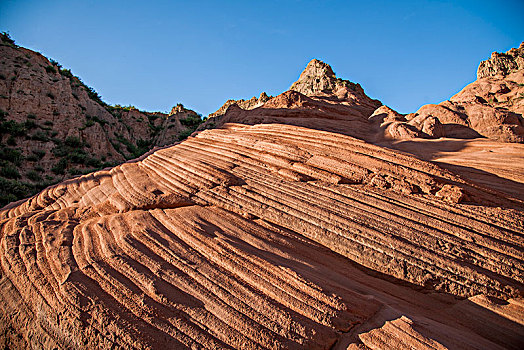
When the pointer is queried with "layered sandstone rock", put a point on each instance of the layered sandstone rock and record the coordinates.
(252, 237)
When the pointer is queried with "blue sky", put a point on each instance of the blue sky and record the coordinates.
(154, 54)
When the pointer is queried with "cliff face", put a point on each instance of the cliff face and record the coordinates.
(53, 126)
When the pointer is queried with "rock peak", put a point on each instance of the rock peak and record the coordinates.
(316, 78)
(502, 64)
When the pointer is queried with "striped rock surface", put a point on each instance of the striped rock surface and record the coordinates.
(265, 236)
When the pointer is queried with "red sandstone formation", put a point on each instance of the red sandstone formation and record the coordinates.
(283, 228)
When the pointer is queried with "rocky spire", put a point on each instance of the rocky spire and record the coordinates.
(318, 77)
(319, 80)
(502, 63)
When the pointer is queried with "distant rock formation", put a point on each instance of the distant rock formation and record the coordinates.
(253, 102)
(492, 106)
(318, 80)
(53, 126)
(502, 64)
(318, 99)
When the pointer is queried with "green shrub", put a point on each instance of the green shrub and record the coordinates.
(192, 120)
(50, 69)
(75, 171)
(91, 120)
(31, 116)
(11, 155)
(6, 40)
(12, 190)
(60, 167)
(184, 134)
(40, 136)
(93, 94)
(115, 145)
(66, 73)
(34, 176)
(89, 123)
(11, 141)
(55, 63)
(12, 128)
(78, 156)
(9, 171)
(93, 162)
(152, 118)
(40, 153)
(30, 124)
(73, 141)
(32, 158)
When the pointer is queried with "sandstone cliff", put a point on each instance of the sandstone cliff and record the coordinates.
(53, 126)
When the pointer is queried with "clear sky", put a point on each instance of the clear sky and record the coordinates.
(154, 54)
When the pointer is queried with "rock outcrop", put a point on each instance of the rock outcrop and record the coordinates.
(318, 80)
(53, 126)
(253, 102)
(491, 107)
(502, 64)
(317, 99)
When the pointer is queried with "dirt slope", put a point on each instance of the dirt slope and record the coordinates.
(264, 237)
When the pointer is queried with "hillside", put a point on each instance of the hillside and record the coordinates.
(303, 223)
(54, 127)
